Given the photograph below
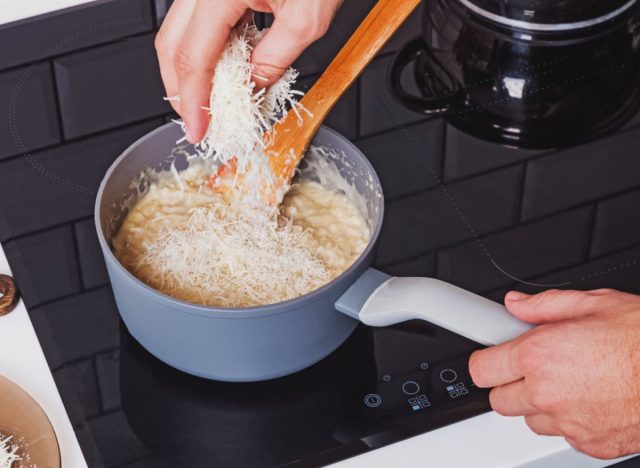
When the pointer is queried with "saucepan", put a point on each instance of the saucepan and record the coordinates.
(266, 342)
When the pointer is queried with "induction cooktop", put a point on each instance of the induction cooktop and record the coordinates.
(382, 386)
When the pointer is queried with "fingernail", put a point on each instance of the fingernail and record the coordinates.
(189, 135)
(516, 296)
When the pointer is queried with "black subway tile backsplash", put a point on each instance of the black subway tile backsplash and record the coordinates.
(58, 185)
(108, 372)
(29, 118)
(44, 265)
(442, 216)
(424, 265)
(578, 175)
(617, 224)
(108, 86)
(62, 31)
(620, 270)
(495, 260)
(83, 373)
(92, 267)
(408, 159)
(116, 441)
(379, 110)
(82, 325)
(467, 155)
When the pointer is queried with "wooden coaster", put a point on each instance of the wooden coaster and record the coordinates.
(8, 294)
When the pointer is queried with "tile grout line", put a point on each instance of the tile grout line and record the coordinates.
(68, 296)
(76, 250)
(44, 229)
(58, 104)
(523, 182)
(443, 151)
(79, 139)
(94, 363)
(592, 227)
(511, 226)
(53, 57)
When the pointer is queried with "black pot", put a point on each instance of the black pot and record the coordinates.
(551, 75)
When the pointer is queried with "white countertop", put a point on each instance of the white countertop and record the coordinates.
(14, 10)
(23, 362)
(485, 441)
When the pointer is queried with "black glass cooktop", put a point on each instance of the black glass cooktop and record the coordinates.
(483, 216)
(382, 386)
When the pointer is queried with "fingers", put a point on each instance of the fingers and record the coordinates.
(495, 366)
(279, 47)
(554, 305)
(542, 424)
(196, 57)
(511, 400)
(167, 41)
(296, 26)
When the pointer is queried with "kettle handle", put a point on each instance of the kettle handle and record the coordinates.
(437, 104)
(378, 300)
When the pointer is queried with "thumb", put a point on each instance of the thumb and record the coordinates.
(554, 305)
(277, 50)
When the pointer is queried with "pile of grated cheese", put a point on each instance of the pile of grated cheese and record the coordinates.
(219, 257)
(8, 452)
(191, 244)
(240, 117)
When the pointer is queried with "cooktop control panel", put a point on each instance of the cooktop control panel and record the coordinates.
(429, 387)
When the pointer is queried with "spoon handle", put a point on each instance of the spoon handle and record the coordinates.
(372, 34)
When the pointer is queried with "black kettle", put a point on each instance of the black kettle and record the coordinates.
(542, 74)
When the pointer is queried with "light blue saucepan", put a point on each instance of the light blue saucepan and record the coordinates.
(260, 343)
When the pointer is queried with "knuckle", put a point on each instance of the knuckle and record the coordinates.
(541, 399)
(308, 30)
(549, 295)
(529, 356)
(497, 401)
(184, 62)
(530, 422)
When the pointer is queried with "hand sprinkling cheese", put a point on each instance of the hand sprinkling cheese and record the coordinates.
(195, 33)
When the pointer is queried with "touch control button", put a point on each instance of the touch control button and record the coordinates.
(410, 387)
(448, 375)
(373, 400)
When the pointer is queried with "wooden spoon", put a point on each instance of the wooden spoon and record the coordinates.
(290, 139)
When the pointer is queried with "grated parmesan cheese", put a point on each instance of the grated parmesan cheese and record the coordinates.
(8, 452)
(191, 244)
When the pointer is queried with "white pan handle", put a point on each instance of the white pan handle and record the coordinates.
(379, 300)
